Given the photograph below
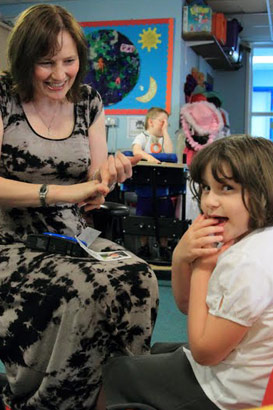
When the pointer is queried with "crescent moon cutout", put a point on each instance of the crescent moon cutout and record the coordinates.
(150, 93)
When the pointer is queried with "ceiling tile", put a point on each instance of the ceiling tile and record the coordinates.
(238, 6)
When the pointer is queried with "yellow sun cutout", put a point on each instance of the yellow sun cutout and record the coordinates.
(149, 38)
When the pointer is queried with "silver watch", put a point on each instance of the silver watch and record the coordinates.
(42, 194)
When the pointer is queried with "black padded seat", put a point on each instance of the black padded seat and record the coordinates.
(108, 219)
(115, 209)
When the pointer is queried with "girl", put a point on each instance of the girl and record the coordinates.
(222, 276)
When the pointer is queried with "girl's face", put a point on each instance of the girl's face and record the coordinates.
(223, 201)
(54, 76)
(156, 124)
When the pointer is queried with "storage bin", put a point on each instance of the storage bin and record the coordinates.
(233, 29)
(232, 47)
(219, 27)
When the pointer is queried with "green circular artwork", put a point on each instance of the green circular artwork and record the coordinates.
(113, 65)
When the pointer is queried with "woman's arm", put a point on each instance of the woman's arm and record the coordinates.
(97, 144)
(21, 194)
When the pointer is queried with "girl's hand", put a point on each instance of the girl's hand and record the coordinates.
(208, 262)
(199, 240)
(117, 168)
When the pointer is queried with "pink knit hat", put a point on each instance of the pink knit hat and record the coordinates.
(204, 119)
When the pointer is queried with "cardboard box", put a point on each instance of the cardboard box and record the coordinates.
(197, 22)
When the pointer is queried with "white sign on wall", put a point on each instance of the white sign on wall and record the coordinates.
(135, 125)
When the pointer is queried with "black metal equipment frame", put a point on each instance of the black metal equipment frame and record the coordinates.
(157, 176)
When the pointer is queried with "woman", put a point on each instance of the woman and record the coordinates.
(61, 316)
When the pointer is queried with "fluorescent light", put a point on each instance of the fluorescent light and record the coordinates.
(262, 59)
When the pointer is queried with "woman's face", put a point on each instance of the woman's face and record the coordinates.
(54, 76)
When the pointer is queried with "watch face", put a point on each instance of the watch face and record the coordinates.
(43, 189)
(42, 194)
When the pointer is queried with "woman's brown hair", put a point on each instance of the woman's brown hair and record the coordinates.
(250, 161)
(34, 36)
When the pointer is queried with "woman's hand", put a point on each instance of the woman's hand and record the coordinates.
(117, 168)
(89, 195)
(97, 198)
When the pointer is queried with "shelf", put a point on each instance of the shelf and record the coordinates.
(211, 50)
(5, 26)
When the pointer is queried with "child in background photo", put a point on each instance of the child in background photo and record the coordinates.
(154, 140)
(222, 277)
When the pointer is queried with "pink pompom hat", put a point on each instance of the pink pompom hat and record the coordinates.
(204, 119)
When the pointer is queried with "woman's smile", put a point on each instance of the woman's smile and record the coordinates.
(54, 76)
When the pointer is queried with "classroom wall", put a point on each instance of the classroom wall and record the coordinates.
(231, 85)
(184, 57)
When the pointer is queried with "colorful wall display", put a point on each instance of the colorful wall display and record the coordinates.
(130, 63)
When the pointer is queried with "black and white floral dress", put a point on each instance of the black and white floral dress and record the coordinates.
(61, 317)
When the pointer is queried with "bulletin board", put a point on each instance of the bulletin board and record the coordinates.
(130, 63)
